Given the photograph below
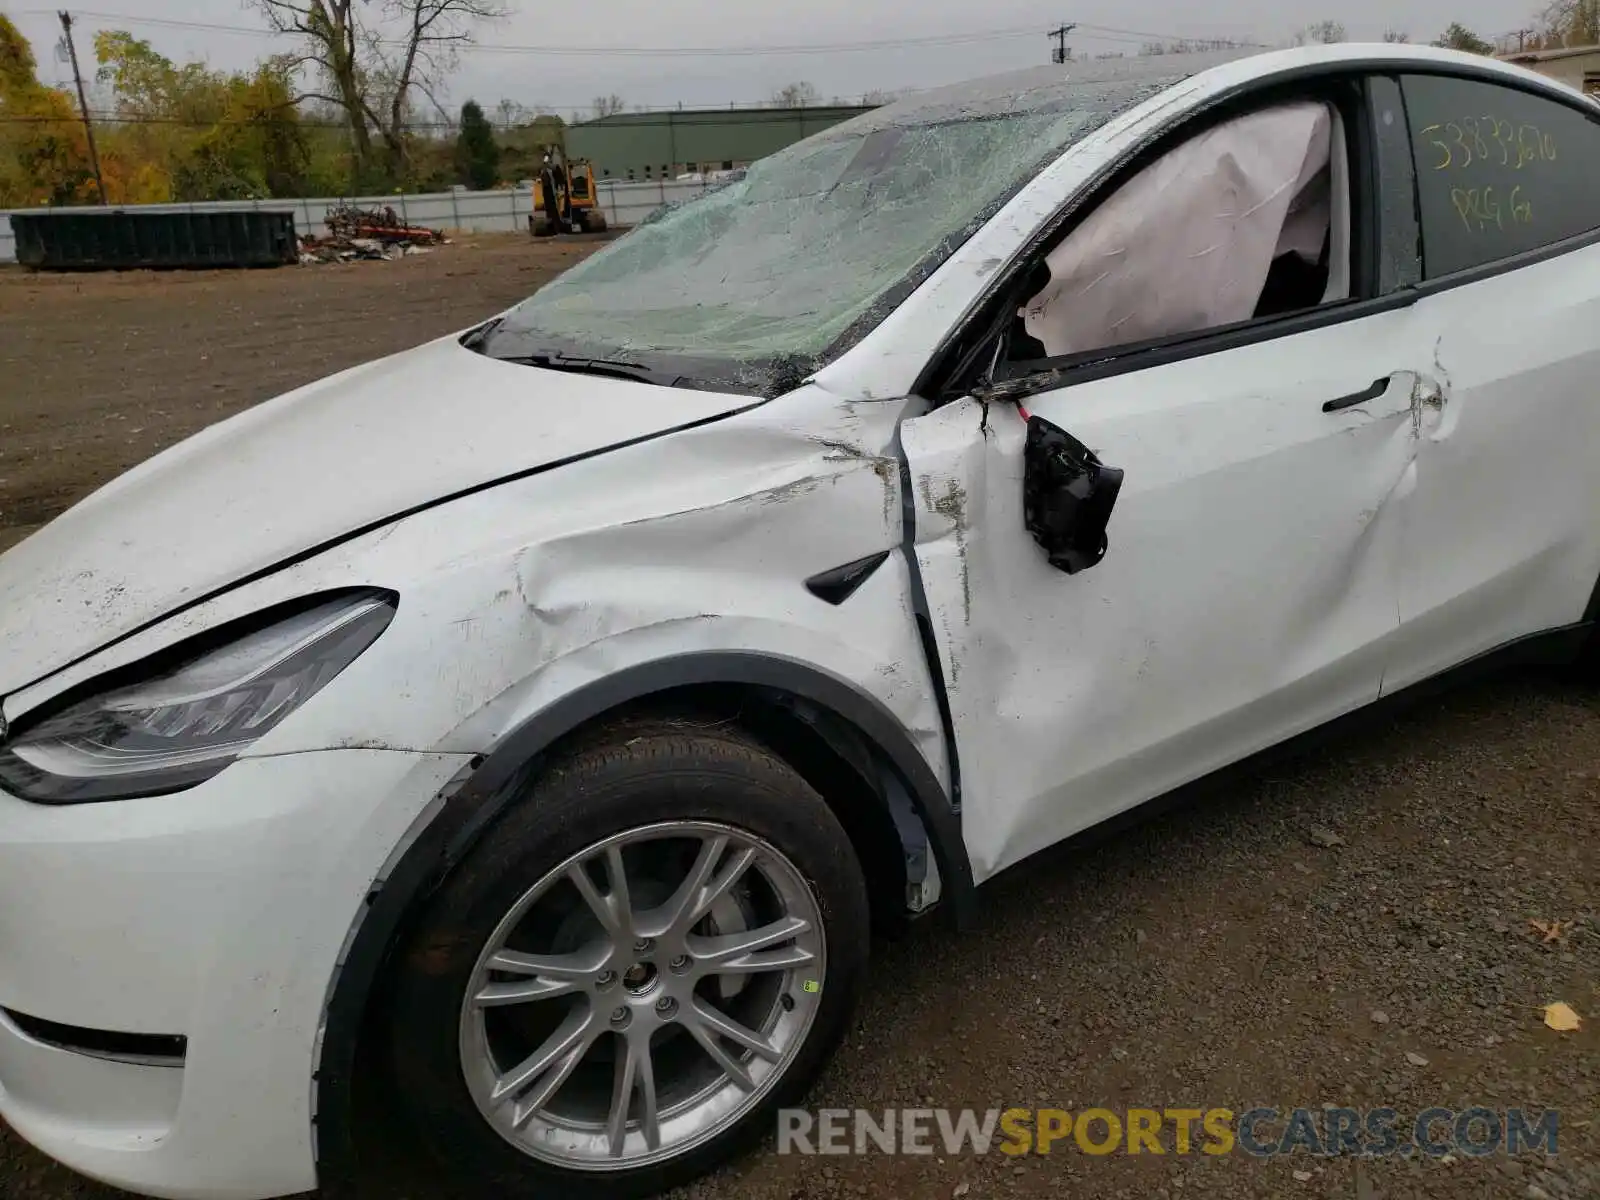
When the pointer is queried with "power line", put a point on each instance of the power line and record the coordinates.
(653, 51)
(1169, 37)
(1102, 32)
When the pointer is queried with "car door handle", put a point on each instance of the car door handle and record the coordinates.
(1378, 388)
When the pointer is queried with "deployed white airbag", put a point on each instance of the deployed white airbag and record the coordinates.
(1186, 244)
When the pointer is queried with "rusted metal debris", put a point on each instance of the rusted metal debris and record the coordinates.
(366, 233)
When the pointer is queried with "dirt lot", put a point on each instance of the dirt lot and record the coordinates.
(101, 371)
(1228, 955)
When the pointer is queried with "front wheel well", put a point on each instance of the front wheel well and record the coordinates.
(851, 752)
(827, 752)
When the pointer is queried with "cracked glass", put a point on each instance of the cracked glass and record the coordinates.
(755, 284)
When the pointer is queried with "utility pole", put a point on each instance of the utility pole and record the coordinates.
(83, 105)
(1059, 54)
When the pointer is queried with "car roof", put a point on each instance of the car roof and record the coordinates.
(1042, 89)
(1122, 83)
(1037, 88)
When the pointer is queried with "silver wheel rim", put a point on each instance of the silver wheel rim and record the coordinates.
(643, 996)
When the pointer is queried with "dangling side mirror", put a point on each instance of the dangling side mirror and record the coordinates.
(1067, 497)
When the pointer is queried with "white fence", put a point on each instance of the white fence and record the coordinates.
(505, 210)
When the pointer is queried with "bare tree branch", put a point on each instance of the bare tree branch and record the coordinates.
(376, 56)
(444, 113)
(301, 97)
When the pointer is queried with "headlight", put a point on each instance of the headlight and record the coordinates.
(175, 721)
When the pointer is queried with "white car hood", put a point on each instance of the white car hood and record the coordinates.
(341, 455)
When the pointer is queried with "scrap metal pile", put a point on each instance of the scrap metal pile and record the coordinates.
(366, 233)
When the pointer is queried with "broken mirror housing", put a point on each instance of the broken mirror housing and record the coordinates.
(1068, 495)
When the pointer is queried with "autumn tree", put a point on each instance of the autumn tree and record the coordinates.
(18, 69)
(1570, 23)
(1458, 37)
(188, 132)
(374, 60)
(44, 156)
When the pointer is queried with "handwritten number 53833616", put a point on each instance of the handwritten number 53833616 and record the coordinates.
(1489, 140)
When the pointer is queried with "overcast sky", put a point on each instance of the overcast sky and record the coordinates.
(634, 41)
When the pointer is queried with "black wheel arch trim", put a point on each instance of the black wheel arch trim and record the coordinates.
(870, 718)
(475, 798)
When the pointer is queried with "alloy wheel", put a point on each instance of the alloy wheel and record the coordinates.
(643, 996)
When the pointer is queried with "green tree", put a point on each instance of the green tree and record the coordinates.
(1458, 37)
(522, 148)
(477, 153)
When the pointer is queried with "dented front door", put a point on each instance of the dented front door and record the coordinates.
(1247, 591)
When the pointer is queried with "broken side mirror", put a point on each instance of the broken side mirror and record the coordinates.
(1067, 496)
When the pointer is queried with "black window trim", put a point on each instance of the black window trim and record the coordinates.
(1401, 160)
(1093, 365)
(1513, 262)
(947, 365)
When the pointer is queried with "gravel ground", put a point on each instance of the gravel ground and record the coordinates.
(1230, 954)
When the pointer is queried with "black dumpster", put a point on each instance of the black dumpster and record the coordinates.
(128, 239)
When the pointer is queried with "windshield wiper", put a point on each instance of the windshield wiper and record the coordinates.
(476, 338)
(596, 366)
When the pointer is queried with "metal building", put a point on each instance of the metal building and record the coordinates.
(1575, 65)
(664, 145)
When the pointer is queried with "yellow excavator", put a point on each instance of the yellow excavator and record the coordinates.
(565, 199)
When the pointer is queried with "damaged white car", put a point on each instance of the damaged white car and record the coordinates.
(488, 764)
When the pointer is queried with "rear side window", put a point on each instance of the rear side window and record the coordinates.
(1499, 171)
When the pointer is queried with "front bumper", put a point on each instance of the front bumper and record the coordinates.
(218, 914)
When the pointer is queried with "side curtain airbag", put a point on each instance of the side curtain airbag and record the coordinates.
(1186, 244)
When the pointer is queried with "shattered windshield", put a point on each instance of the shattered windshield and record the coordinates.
(757, 283)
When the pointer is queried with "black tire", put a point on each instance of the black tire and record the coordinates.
(592, 220)
(1585, 666)
(542, 227)
(632, 779)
